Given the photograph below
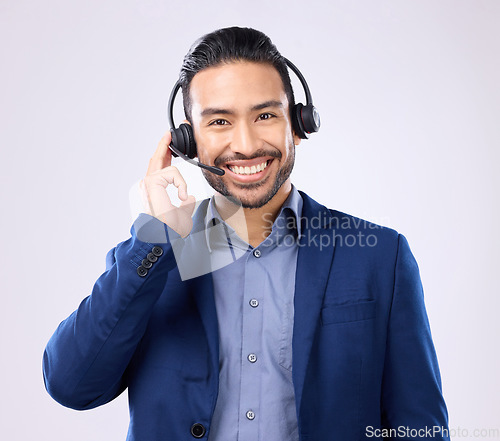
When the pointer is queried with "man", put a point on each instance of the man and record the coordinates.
(314, 328)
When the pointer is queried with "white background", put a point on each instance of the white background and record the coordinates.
(408, 93)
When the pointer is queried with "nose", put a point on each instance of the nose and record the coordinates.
(244, 140)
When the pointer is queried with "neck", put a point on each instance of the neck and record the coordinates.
(253, 224)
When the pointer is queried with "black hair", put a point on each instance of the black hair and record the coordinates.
(228, 45)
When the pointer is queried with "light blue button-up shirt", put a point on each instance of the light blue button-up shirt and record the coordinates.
(254, 293)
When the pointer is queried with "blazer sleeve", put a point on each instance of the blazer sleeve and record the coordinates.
(85, 359)
(412, 400)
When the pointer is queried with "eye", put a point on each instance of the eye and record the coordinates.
(265, 116)
(219, 122)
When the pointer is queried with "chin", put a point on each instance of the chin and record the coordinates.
(253, 202)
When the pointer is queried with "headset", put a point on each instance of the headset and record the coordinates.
(305, 120)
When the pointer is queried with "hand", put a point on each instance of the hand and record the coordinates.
(155, 199)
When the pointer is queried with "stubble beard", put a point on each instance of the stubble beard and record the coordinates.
(217, 183)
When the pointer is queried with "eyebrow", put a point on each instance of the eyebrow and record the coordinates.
(271, 103)
(264, 105)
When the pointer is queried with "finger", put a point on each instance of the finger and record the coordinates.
(188, 205)
(154, 198)
(172, 175)
(181, 185)
(162, 157)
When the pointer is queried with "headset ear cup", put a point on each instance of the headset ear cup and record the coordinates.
(189, 142)
(298, 125)
(310, 119)
(178, 141)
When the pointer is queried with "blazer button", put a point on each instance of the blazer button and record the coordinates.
(146, 263)
(198, 430)
(151, 257)
(157, 251)
(142, 271)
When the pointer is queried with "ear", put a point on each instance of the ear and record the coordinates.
(296, 138)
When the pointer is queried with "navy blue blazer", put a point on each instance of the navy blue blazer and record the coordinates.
(363, 357)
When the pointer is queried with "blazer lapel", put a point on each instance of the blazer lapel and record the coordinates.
(314, 261)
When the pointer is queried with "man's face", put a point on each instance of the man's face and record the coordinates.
(242, 124)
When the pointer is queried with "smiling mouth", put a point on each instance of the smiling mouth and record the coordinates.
(249, 170)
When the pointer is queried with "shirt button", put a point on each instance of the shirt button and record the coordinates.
(197, 430)
(257, 253)
(254, 303)
(252, 358)
(250, 415)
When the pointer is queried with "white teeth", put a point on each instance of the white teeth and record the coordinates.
(248, 170)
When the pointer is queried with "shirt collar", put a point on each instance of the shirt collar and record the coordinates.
(287, 221)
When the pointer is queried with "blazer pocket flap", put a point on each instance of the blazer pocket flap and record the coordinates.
(349, 312)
